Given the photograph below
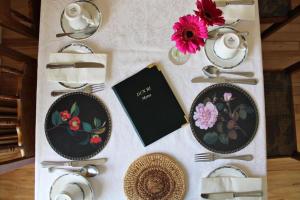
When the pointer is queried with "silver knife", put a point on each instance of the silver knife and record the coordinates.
(81, 163)
(75, 65)
(234, 2)
(201, 79)
(231, 195)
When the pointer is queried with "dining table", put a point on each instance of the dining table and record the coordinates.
(134, 34)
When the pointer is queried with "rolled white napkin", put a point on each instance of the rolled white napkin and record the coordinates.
(233, 12)
(230, 184)
(77, 75)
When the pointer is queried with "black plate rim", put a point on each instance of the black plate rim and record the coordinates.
(108, 131)
(240, 90)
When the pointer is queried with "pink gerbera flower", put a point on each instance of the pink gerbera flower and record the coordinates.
(189, 34)
(209, 13)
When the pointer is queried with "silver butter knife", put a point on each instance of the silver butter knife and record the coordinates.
(234, 2)
(75, 65)
(231, 195)
(81, 163)
(201, 79)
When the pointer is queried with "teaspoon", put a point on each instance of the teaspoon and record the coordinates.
(87, 171)
(213, 72)
(88, 30)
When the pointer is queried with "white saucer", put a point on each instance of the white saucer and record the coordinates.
(65, 179)
(75, 48)
(228, 171)
(216, 60)
(95, 15)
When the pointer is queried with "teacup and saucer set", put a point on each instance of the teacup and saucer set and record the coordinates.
(81, 18)
(228, 50)
(71, 187)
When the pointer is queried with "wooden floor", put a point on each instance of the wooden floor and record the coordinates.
(280, 50)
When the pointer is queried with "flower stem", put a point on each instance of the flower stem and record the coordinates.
(229, 108)
(50, 129)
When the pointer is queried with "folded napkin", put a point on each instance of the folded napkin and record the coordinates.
(233, 12)
(77, 75)
(230, 184)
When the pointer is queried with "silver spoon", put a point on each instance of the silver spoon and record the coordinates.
(88, 30)
(234, 23)
(216, 35)
(213, 72)
(87, 170)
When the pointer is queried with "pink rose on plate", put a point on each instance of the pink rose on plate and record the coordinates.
(205, 116)
(227, 96)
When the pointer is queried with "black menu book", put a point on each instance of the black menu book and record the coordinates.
(150, 104)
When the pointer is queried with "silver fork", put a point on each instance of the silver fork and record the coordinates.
(207, 157)
(88, 89)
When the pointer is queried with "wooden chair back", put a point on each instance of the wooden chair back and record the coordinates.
(17, 22)
(17, 106)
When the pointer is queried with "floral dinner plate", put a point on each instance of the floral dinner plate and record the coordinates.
(224, 118)
(78, 126)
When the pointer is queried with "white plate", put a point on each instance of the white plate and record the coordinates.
(95, 15)
(65, 179)
(228, 171)
(224, 63)
(75, 48)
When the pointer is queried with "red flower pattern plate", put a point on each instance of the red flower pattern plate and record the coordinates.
(78, 126)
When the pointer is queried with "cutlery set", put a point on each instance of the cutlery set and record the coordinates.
(86, 168)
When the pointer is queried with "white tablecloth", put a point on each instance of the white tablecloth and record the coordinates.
(134, 34)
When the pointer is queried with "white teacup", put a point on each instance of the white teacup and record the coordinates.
(72, 191)
(78, 17)
(228, 45)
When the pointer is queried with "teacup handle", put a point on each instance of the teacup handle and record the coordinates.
(88, 20)
(243, 46)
